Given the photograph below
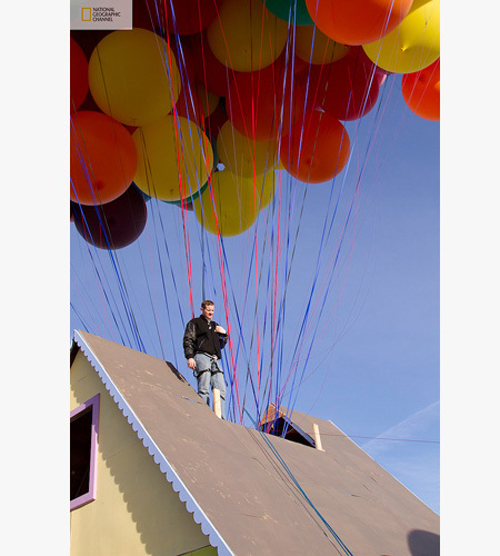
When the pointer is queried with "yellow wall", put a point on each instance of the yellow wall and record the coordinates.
(136, 511)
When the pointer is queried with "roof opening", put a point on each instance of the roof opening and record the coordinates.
(284, 428)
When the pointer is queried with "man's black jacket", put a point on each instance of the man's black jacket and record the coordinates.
(200, 337)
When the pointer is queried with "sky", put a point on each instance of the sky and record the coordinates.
(382, 379)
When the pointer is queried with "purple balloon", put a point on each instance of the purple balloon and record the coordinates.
(113, 225)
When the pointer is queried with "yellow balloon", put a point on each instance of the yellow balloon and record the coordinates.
(133, 77)
(242, 155)
(246, 36)
(229, 205)
(314, 47)
(174, 158)
(414, 44)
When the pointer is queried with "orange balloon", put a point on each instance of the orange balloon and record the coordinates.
(317, 149)
(355, 22)
(421, 91)
(103, 158)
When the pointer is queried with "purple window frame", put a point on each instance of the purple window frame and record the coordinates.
(89, 496)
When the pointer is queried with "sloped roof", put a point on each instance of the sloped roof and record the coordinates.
(254, 493)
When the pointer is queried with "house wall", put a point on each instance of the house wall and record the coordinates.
(136, 510)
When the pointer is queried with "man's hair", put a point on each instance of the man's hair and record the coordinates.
(207, 302)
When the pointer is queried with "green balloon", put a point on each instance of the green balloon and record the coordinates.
(284, 9)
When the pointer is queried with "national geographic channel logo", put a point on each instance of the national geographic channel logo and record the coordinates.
(101, 14)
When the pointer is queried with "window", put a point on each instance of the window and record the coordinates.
(84, 421)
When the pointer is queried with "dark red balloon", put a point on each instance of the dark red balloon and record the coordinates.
(266, 103)
(78, 75)
(347, 89)
(190, 16)
(88, 40)
(113, 225)
(184, 56)
(211, 74)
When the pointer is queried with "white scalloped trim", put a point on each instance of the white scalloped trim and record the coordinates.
(185, 496)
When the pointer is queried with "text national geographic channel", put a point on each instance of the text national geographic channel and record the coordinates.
(88, 15)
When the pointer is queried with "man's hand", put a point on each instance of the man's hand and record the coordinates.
(191, 363)
(220, 330)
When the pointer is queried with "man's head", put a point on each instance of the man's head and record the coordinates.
(207, 309)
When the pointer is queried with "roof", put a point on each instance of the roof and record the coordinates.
(255, 493)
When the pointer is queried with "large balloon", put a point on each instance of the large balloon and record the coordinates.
(88, 40)
(103, 158)
(314, 47)
(113, 225)
(265, 104)
(175, 158)
(212, 74)
(356, 22)
(184, 56)
(229, 205)
(421, 91)
(242, 155)
(187, 17)
(79, 75)
(246, 36)
(133, 77)
(317, 150)
(346, 89)
(292, 11)
(412, 45)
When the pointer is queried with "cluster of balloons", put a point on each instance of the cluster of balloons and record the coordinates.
(203, 100)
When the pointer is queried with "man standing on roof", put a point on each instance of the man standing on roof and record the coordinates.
(202, 342)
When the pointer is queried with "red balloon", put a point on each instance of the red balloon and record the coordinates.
(190, 16)
(88, 40)
(184, 56)
(113, 225)
(317, 149)
(421, 91)
(210, 73)
(347, 89)
(148, 14)
(78, 75)
(103, 158)
(266, 103)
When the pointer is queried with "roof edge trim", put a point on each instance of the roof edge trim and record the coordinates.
(159, 458)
